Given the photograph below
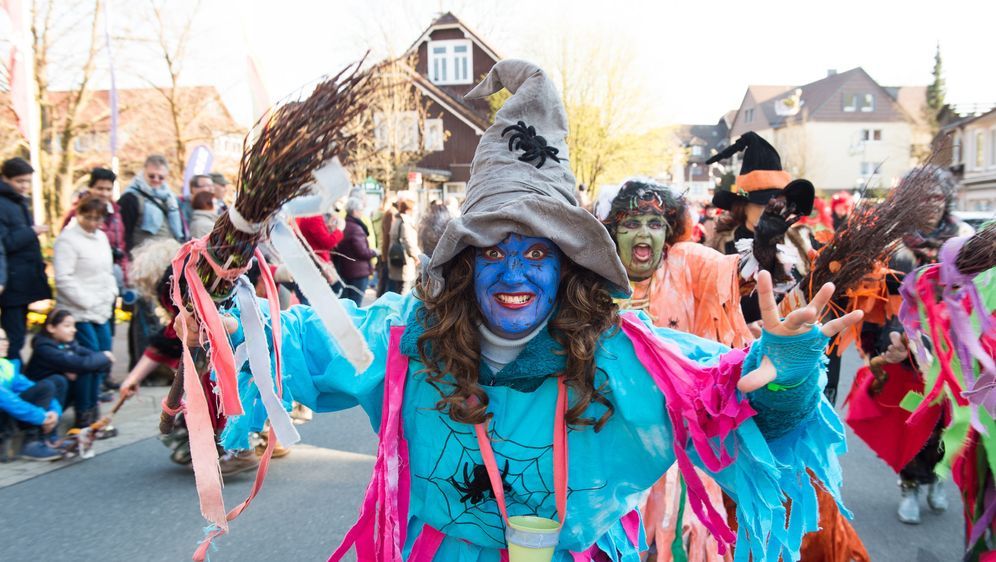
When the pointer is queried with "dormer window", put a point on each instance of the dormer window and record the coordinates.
(864, 103)
(451, 62)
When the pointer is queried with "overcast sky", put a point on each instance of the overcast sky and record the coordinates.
(695, 57)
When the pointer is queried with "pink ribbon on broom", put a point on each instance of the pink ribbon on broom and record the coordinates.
(203, 451)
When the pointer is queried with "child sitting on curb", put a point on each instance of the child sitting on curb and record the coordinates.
(34, 406)
(56, 351)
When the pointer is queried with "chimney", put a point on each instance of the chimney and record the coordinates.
(831, 72)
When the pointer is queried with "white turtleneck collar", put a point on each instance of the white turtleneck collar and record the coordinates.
(497, 352)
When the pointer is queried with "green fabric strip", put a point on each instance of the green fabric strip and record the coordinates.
(678, 544)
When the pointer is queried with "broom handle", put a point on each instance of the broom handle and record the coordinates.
(167, 420)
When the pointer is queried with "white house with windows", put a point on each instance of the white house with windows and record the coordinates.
(840, 132)
(972, 142)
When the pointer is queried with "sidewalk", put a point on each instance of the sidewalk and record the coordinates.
(138, 419)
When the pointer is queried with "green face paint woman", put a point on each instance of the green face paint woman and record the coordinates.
(641, 239)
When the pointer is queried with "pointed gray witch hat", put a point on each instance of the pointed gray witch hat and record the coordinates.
(521, 182)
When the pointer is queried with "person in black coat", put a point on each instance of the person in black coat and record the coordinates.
(354, 265)
(55, 351)
(26, 279)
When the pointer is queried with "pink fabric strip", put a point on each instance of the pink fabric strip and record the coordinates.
(264, 463)
(702, 404)
(426, 545)
(222, 357)
(631, 524)
(203, 452)
(379, 534)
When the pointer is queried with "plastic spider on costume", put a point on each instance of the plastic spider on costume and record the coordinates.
(533, 145)
(476, 487)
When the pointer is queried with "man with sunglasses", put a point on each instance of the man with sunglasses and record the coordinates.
(149, 211)
(149, 208)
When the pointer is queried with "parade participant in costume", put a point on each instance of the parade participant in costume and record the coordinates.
(921, 437)
(841, 205)
(759, 221)
(760, 229)
(949, 314)
(681, 285)
(513, 338)
(688, 287)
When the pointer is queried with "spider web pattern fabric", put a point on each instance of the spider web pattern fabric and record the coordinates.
(528, 480)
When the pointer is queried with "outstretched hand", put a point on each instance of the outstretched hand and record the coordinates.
(799, 321)
(186, 320)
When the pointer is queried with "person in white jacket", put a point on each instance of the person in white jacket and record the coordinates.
(84, 275)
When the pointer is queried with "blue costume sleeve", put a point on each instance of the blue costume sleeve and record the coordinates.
(787, 448)
(314, 371)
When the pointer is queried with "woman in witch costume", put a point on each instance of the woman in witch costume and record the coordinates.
(510, 384)
(683, 286)
(758, 222)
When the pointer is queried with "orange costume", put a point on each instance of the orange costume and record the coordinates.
(694, 290)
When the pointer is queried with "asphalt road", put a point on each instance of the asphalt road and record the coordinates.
(133, 504)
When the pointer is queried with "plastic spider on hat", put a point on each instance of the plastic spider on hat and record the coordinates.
(533, 145)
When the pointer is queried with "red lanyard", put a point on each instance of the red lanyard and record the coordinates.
(559, 458)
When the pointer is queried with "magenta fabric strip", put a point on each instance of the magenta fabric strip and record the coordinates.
(380, 532)
(702, 404)
(426, 545)
(631, 524)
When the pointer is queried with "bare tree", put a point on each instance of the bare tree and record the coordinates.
(172, 39)
(606, 110)
(394, 134)
(61, 32)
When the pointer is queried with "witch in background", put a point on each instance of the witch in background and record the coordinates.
(897, 371)
(688, 287)
(509, 384)
(759, 220)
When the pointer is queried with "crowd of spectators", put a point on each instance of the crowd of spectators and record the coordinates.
(71, 355)
(114, 253)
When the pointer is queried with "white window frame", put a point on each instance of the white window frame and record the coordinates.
(697, 150)
(749, 115)
(868, 169)
(957, 149)
(434, 135)
(853, 100)
(397, 131)
(869, 105)
(858, 103)
(442, 67)
(455, 189)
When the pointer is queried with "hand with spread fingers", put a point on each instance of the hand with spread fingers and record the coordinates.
(798, 323)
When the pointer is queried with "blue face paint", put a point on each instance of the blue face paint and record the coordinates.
(516, 284)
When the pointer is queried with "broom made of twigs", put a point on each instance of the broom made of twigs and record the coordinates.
(979, 252)
(290, 143)
(872, 232)
(295, 141)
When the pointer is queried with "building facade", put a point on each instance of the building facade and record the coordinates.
(840, 132)
(970, 144)
(450, 60)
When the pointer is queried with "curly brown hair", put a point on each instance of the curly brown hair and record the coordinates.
(450, 346)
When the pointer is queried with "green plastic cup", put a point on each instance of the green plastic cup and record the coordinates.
(531, 538)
